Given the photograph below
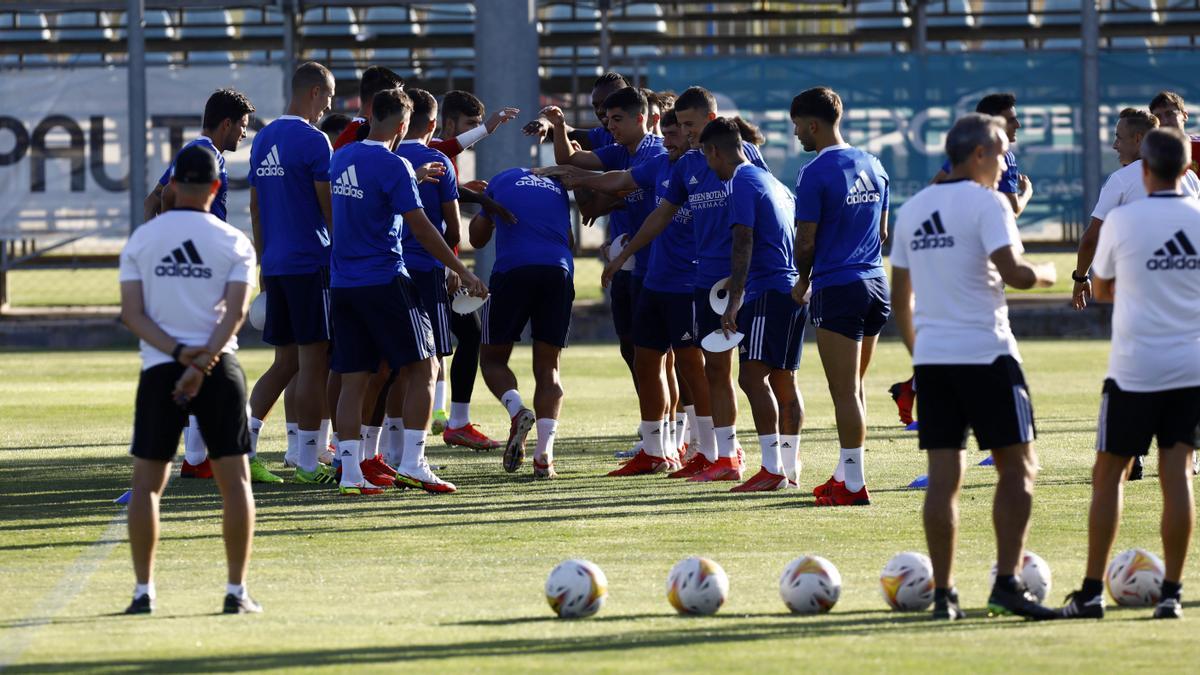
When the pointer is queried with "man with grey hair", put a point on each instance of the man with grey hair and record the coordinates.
(1152, 389)
(955, 246)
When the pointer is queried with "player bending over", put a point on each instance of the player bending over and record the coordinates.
(188, 327)
(375, 303)
(956, 244)
(1146, 257)
(760, 302)
(532, 284)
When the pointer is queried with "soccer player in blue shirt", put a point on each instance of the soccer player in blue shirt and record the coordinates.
(290, 213)
(375, 304)
(694, 185)
(223, 127)
(760, 211)
(532, 284)
(841, 224)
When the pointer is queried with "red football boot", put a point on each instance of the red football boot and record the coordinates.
(642, 463)
(696, 465)
(826, 487)
(725, 468)
(201, 470)
(904, 395)
(374, 472)
(840, 496)
(763, 481)
(469, 436)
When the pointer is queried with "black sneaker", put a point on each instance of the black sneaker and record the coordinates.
(514, 448)
(142, 604)
(242, 605)
(1138, 469)
(1168, 608)
(1018, 602)
(947, 610)
(1078, 607)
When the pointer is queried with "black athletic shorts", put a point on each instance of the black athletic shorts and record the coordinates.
(220, 410)
(297, 309)
(664, 321)
(992, 400)
(855, 309)
(380, 323)
(431, 286)
(623, 296)
(538, 295)
(1130, 420)
(774, 328)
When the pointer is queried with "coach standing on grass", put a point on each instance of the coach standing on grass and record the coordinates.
(1147, 258)
(185, 286)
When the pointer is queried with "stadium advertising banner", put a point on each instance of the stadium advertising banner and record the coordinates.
(64, 149)
(900, 107)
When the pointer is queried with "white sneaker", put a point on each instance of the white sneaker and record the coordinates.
(423, 477)
(626, 454)
(361, 488)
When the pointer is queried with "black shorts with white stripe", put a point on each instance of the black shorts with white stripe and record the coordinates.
(380, 323)
(431, 286)
(297, 309)
(774, 328)
(538, 296)
(992, 400)
(1130, 420)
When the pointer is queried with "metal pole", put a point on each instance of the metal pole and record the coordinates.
(136, 76)
(288, 9)
(920, 27)
(605, 36)
(506, 73)
(1090, 107)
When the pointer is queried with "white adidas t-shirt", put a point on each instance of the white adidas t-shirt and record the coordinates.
(184, 259)
(1152, 248)
(944, 236)
(1125, 186)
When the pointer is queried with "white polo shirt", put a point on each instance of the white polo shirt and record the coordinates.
(184, 259)
(944, 236)
(1152, 249)
(1125, 186)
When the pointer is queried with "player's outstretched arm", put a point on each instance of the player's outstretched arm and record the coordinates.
(902, 306)
(1019, 273)
(431, 240)
(609, 182)
(480, 230)
(470, 196)
(743, 244)
(655, 223)
(1082, 290)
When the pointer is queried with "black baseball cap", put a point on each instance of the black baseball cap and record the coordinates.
(196, 165)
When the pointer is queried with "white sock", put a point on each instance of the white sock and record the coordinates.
(789, 453)
(460, 415)
(669, 446)
(255, 427)
(839, 474)
(546, 430)
(306, 454)
(392, 441)
(706, 437)
(439, 395)
(852, 461)
(293, 441)
(414, 449)
(511, 400)
(236, 590)
(769, 445)
(323, 436)
(652, 440)
(681, 430)
(370, 446)
(693, 437)
(726, 441)
(144, 589)
(194, 449)
(348, 454)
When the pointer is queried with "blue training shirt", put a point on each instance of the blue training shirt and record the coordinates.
(433, 195)
(638, 204)
(694, 185)
(220, 207)
(844, 191)
(287, 157)
(759, 201)
(371, 189)
(541, 235)
(600, 137)
(672, 264)
(1008, 180)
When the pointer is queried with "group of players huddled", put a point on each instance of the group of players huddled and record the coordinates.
(356, 224)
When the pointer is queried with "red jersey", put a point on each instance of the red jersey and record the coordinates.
(349, 134)
(450, 148)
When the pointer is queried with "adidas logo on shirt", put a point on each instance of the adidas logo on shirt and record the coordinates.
(686, 336)
(693, 181)
(270, 165)
(347, 184)
(184, 262)
(931, 234)
(863, 191)
(1177, 254)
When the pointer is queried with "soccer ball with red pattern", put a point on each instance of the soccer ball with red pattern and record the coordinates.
(697, 586)
(1134, 578)
(907, 582)
(810, 585)
(576, 589)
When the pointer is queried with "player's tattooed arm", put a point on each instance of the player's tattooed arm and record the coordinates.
(153, 204)
(806, 246)
(743, 243)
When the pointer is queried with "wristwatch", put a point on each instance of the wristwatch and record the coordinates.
(1080, 278)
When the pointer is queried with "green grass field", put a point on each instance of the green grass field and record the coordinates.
(98, 287)
(454, 583)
